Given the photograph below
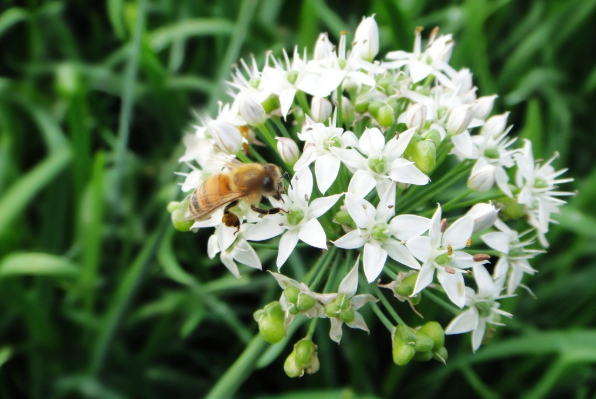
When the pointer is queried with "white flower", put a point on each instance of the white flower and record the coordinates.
(320, 109)
(226, 135)
(439, 251)
(416, 116)
(382, 165)
(538, 183)
(251, 111)
(323, 47)
(320, 139)
(288, 150)
(483, 106)
(366, 39)
(300, 222)
(378, 235)
(483, 308)
(291, 309)
(483, 215)
(433, 61)
(513, 258)
(252, 86)
(233, 248)
(342, 306)
(459, 119)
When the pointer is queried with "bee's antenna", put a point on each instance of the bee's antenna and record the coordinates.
(287, 176)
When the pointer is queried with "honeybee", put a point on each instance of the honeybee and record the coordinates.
(239, 182)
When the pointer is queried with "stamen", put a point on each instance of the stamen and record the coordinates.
(390, 206)
(449, 270)
(449, 250)
(443, 225)
(481, 257)
(306, 197)
(469, 242)
(364, 206)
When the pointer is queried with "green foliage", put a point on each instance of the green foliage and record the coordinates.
(101, 298)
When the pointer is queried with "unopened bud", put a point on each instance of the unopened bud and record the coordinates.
(347, 111)
(385, 116)
(423, 356)
(178, 216)
(460, 118)
(305, 350)
(434, 330)
(424, 343)
(251, 111)
(403, 345)
(271, 103)
(512, 209)
(495, 125)
(424, 155)
(441, 354)
(288, 150)
(291, 368)
(481, 257)
(343, 217)
(365, 99)
(291, 293)
(484, 216)
(434, 136)
(321, 109)
(484, 179)
(305, 302)
(483, 106)
(323, 47)
(405, 287)
(367, 39)
(416, 116)
(271, 322)
(226, 136)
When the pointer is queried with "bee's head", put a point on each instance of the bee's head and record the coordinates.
(273, 184)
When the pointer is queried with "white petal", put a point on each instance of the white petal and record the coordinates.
(400, 253)
(349, 284)
(419, 71)
(425, 277)
(309, 155)
(454, 286)
(358, 322)
(501, 268)
(326, 168)
(420, 247)
(245, 254)
(463, 323)
(353, 239)
(386, 207)
(360, 210)
(458, 234)
(498, 241)
(514, 280)
(463, 144)
(348, 139)
(434, 233)
(301, 187)
(484, 281)
(229, 263)
(313, 85)
(212, 246)
(372, 141)
(463, 260)
(478, 334)
(503, 181)
(286, 98)
(335, 331)
(374, 260)
(266, 228)
(406, 227)
(321, 205)
(287, 243)
(351, 158)
(404, 171)
(313, 234)
(362, 182)
(284, 281)
(226, 236)
(360, 300)
(396, 146)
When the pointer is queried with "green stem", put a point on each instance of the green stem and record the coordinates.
(280, 126)
(458, 198)
(388, 306)
(268, 136)
(321, 263)
(324, 266)
(301, 96)
(382, 317)
(243, 157)
(312, 327)
(440, 301)
(253, 153)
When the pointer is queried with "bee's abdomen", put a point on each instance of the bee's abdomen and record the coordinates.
(207, 196)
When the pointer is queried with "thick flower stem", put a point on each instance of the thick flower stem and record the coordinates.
(282, 128)
(388, 306)
(321, 264)
(268, 136)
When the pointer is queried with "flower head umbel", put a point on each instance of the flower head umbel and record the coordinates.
(483, 308)
(342, 307)
(296, 299)
(298, 221)
(379, 236)
(440, 251)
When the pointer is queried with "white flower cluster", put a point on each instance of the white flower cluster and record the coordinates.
(411, 128)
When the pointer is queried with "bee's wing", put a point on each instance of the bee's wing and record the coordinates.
(183, 212)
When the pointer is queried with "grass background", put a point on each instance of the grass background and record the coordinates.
(100, 298)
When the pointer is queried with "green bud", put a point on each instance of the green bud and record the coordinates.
(492, 153)
(424, 343)
(374, 107)
(305, 302)
(394, 104)
(343, 217)
(377, 164)
(181, 225)
(410, 148)
(332, 310)
(380, 232)
(385, 116)
(172, 206)
(441, 354)
(295, 216)
(434, 330)
(406, 286)
(271, 323)
(291, 293)
(423, 356)
(484, 309)
(291, 368)
(415, 300)
(305, 349)
(293, 310)
(271, 103)
(292, 76)
(424, 155)
(511, 209)
(434, 136)
(402, 351)
(363, 100)
(384, 81)
(347, 315)
(407, 335)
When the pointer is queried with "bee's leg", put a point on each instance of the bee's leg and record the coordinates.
(271, 211)
(230, 219)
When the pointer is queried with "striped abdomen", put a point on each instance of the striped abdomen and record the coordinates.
(213, 193)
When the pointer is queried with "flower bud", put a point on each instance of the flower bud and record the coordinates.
(347, 111)
(416, 116)
(405, 287)
(403, 345)
(321, 109)
(251, 111)
(363, 100)
(305, 302)
(291, 368)
(288, 150)
(303, 358)
(424, 155)
(484, 216)
(423, 343)
(226, 136)
(343, 217)
(423, 356)
(271, 103)
(291, 293)
(460, 118)
(271, 322)
(367, 39)
(441, 354)
(410, 148)
(385, 115)
(483, 106)
(178, 216)
(374, 106)
(323, 47)
(347, 315)
(511, 208)
(484, 179)
(495, 124)
(433, 330)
